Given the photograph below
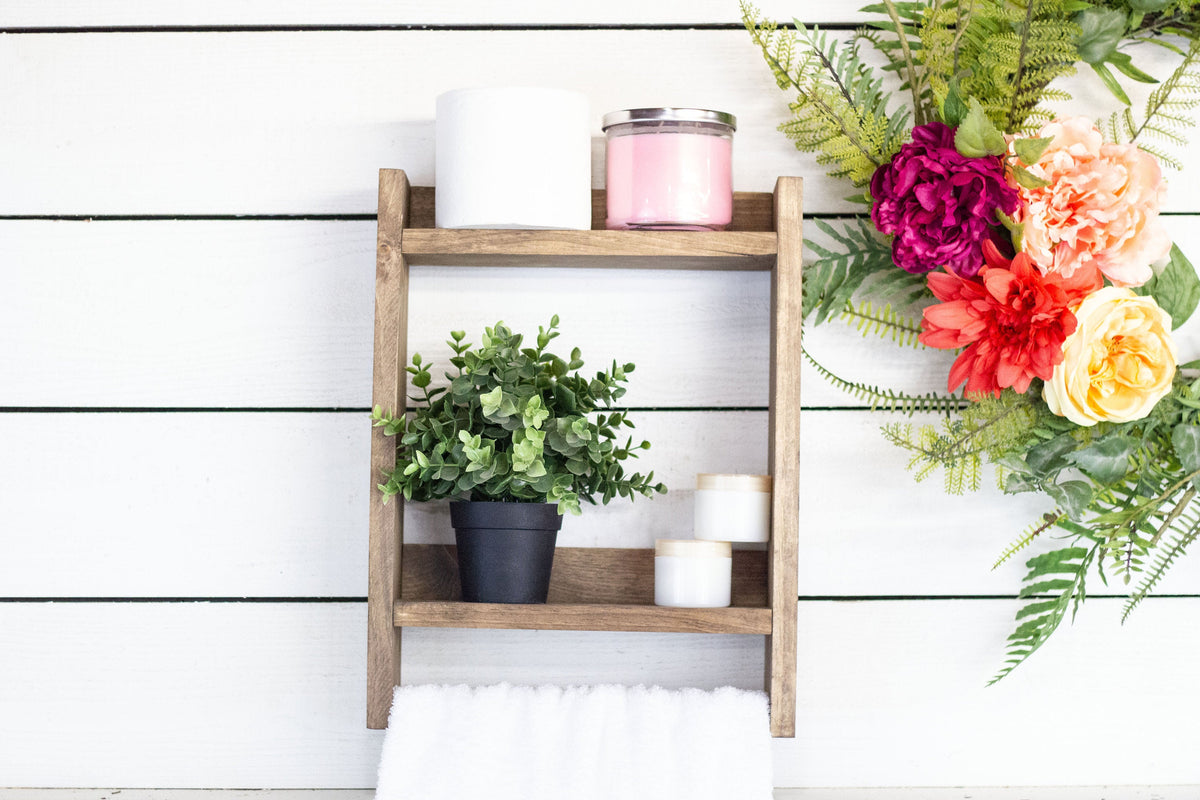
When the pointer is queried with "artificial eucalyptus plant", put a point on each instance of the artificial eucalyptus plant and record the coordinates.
(514, 424)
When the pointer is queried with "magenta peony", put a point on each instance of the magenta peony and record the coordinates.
(940, 205)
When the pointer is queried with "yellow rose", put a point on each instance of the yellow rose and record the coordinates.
(1117, 364)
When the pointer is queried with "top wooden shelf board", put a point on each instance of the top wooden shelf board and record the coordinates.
(730, 250)
(752, 211)
(750, 244)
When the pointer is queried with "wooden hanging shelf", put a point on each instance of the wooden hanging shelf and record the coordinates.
(601, 589)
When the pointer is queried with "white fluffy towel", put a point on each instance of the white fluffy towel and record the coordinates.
(580, 743)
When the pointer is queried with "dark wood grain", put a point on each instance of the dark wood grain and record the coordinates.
(615, 576)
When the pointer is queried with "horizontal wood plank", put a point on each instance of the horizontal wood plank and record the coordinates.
(275, 505)
(300, 122)
(582, 617)
(278, 314)
(250, 695)
(717, 250)
(81, 14)
(1147, 792)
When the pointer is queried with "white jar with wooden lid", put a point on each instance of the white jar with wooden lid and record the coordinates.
(733, 508)
(692, 574)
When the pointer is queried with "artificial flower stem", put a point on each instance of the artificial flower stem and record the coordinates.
(918, 109)
(1183, 503)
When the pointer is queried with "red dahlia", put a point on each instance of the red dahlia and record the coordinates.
(1011, 319)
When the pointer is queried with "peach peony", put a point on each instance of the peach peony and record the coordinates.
(1100, 209)
(1118, 363)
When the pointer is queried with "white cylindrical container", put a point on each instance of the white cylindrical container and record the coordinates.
(692, 574)
(514, 158)
(733, 508)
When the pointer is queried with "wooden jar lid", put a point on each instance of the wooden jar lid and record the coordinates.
(734, 483)
(692, 548)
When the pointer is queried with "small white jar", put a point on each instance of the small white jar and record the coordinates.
(733, 508)
(692, 574)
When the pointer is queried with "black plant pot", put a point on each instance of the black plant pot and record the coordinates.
(505, 550)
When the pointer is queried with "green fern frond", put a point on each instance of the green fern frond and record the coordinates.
(840, 111)
(932, 449)
(1167, 114)
(1003, 54)
(1185, 529)
(1061, 572)
(887, 400)
(1048, 521)
(883, 322)
(991, 428)
(831, 280)
(903, 291)
(903, 20)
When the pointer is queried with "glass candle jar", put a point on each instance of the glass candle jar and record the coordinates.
(692, 574)
(733, 508)
(669, 169)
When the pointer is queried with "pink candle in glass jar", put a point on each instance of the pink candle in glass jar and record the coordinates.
(669, 169)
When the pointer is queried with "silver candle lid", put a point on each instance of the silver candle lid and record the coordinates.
(668, 115)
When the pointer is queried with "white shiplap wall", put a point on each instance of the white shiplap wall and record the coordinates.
(183, 447)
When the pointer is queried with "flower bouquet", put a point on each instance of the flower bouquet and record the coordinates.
(1032, 245)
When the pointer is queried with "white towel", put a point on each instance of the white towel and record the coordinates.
(580, 743)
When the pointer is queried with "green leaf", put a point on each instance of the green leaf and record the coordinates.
(1107, 460)
(1185, 438)
(1028, 179)
(1124, 63)
(953, 110)
(1176, 289)
(1030, 150)
(1111, 82)
(535, 412)
(490, 401)
(1047, 458)
(1101, 30)
(1073, 496)
(977, 136)
(527, 450)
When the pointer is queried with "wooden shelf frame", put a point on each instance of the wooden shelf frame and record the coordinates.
(591, 588)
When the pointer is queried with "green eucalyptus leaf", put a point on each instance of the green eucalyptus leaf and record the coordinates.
(977, 136)
(490, 401)
(507, 425)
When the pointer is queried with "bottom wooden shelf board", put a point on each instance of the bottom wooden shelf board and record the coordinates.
(581, 617)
